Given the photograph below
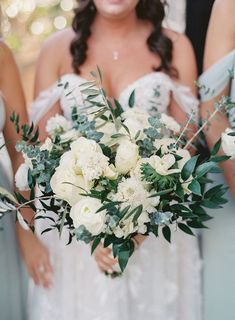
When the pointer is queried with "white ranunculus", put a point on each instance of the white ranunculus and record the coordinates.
(70, 135)
(85, 213)
(228, 143)
(136, 120)
(164, 144)
(111, 172)
(140, 115)
(185, 154)
(126, 157)
(83, 145)
(47, 145)
(21, 177)
(170, 123)
(163, 165)
(57, 124)
(68, 186)
(136, 172)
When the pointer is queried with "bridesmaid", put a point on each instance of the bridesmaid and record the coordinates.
(12, 277)
(219, 242)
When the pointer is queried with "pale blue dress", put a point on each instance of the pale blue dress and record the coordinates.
(219, 242)
(12, 275)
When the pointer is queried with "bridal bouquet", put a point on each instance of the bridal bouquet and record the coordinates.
(110, 174)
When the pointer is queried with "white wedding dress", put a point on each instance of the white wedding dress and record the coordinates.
(161, 282)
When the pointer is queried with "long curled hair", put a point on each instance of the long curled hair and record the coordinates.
(150, 10)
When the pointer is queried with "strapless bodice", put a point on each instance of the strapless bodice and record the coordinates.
(152, 92)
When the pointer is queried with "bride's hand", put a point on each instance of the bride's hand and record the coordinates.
(104, 258)
(36, 257)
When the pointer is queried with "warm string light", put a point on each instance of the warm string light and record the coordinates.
(40, 17)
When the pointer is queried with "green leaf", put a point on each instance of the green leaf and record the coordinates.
(189, 167)
(95, 244)
(100, 74)
(131, 101)
(216, 147)
(166, 231)
(183, 227)
(139, 210)
(204, 168)
(161, 193)
(195, 187)
(196, 225)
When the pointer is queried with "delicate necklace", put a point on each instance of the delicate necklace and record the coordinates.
(115, 55)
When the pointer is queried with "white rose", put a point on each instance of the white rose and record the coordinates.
(140, 115)
(85, 213)
(126, 157)
(70, 135)
(68, 186)
(164, 144)
(21, 177)
(47, 145)
(228, 143)
(170, 123)
(57, 124)
(163, 165)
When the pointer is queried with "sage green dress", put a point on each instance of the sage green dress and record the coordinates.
(219, 240)
(13, 281)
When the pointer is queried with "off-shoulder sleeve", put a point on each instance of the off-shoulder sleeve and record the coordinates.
(44, 102)
(213, 81)
(186, 100)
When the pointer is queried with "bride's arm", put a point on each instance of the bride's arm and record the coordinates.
(220, 41)
(185, 64)
(47, 74)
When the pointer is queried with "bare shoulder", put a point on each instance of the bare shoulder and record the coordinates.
(60, 40)
(224, 7)
(183, 59)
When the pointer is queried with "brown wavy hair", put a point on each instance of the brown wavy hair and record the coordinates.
(150, 10)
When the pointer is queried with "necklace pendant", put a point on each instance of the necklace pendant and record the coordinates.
(115, 55)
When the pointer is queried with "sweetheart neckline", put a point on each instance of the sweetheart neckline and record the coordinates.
(132, 84)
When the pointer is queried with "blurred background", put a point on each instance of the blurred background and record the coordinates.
(25, 24)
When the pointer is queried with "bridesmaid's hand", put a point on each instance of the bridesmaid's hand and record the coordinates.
(36, 257)
(104, 258)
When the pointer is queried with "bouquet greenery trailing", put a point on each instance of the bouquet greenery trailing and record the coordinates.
(109, 174)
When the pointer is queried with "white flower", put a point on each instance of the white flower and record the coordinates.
(108, 129)
(111, 172)
(21, 177)
(170, 123)
(85, 213)
(57, 124)
(163, 165)
(228, 143)
(127, 156)
(136, 172)
(132, 193)
(135, 120)
(89, 159)
(47, 145)
(164, 144)
(68, 186)
(70, 135)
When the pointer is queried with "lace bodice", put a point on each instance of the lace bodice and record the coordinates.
(153, 92)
